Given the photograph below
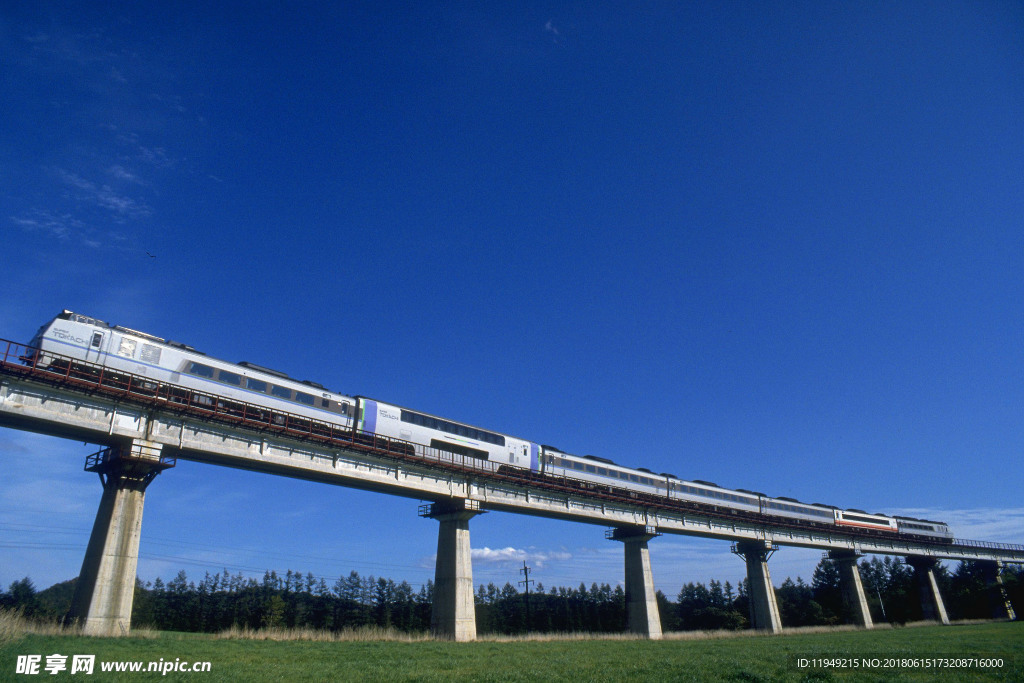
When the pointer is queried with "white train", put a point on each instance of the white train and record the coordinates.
(85, 347)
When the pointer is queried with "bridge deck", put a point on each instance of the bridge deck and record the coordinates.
(93, 403)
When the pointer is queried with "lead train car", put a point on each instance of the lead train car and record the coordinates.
(110, 346)
(138, 353)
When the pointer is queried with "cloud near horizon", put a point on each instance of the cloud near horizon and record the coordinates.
(516, 555)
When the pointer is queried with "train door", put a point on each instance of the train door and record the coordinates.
(97, 344)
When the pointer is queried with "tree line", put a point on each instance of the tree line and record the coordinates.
(295, 600)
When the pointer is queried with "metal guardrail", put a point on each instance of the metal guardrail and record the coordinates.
(31, 363)
(987, 545)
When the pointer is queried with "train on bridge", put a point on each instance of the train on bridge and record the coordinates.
(71, 341)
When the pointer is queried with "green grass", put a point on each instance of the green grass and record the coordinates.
(712, 659)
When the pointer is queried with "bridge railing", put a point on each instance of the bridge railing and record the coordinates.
(988, 545)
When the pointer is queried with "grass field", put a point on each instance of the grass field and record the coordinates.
(726, 658)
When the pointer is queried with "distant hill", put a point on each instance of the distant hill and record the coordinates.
(55, 601)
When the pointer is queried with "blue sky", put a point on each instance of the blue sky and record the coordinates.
(777, 247)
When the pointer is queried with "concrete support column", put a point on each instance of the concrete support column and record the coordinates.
(852, 587)
(1002, 608)
(932, 607)
(643, 616)
(764, 610)
(102, 603)
(453, 612)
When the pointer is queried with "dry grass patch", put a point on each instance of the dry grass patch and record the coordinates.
(349, 635)
(14, 625)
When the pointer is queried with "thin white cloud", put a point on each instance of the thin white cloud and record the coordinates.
(65, 227)
(538, 558)
(121, 173)
(60, 226)
(486, 558)
(550, 27)
(120, 205)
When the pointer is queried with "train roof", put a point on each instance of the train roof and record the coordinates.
(79, 318)
(260, 368)
(144, 335)
(918, 519)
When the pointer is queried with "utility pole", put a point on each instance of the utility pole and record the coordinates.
(526, 581)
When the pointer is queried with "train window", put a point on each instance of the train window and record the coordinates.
(280, 392)
(256, 385)
(200, 370)
(344, 409)
(229, 378)
(303, 398)
(590, 468)
(97, 337)
(603, 471)
(577, 466)
(635, 479)
(324, 403)
(451, 428)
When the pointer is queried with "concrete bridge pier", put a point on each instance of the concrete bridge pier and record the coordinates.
(643, 616)
(1002, 608)
(102, 603)
(932, 607)
(764, 609)
(453, 612)
(852, 587)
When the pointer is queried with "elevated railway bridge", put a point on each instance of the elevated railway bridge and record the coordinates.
(144, 426)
